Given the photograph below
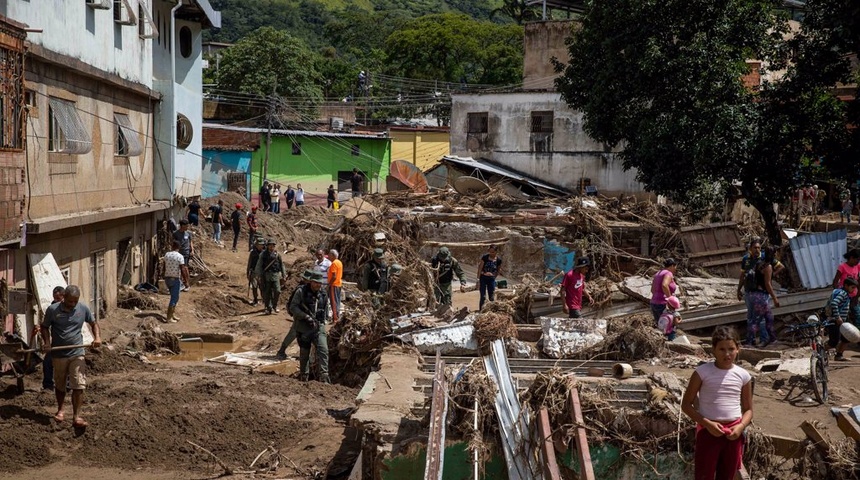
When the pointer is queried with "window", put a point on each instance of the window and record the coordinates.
(123, 14)
(11, 94)
(127, 143)
(356, 150)
(186, 46)
(66, 131)
(297, 148)
(184, 131)
(146, 26)
(541, 122)
(478, 123)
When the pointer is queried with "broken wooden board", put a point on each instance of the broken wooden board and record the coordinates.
(714, 246)
(695, 292)
(250, 359)
(799, 302)
(586, 469)
(817, 438)
(848, 425)
(550, 465)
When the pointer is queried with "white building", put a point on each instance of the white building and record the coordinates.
(532, 130)
(101, 101)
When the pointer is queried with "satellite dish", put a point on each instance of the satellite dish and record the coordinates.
(470, 186)
(409, 175)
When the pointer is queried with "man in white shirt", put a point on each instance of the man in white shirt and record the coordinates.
(175, 273)
(321, 264)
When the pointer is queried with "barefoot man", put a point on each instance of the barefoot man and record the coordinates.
(62, 327)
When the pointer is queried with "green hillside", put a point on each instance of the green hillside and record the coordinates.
(308, 19)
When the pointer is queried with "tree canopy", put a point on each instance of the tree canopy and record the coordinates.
(270, 61)
(664, 80)
(455, 48)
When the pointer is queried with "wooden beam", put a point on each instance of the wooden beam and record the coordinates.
(786, 447)
(721, 251)
(586, 469)
(848, 425)
(438, 411)
(550, 464)
(817, 438)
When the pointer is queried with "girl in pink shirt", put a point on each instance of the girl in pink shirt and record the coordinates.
(724, 393)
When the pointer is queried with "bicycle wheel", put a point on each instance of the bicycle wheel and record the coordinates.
(818, 375)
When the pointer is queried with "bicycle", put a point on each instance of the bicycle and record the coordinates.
(819, 359)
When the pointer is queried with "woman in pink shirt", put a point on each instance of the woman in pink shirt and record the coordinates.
(662, 287)
(850, 269)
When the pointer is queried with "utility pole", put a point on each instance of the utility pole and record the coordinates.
(270, 117)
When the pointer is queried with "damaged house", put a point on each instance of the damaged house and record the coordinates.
(102, 120)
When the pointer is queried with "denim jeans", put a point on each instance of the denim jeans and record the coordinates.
(657, 309)
(173, 285)
(235, 237)
(216, 227)
(276, 206)
(488, 289)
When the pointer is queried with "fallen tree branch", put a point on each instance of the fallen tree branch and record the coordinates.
(227, 469)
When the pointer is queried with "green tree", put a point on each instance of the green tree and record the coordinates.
(455, 48)
(270, 61)
(517, 10)
(668, 88)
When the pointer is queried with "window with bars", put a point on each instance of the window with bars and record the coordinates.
(541, 122)
(11, 98)
(478, 123)
(127, 142)
(66, 130)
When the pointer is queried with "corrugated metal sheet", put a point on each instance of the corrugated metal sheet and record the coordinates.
(818, 255)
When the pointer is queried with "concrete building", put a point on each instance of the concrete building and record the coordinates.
(532, 130)
(314, 159)
(100, 170)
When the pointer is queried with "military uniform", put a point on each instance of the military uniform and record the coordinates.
(251, 269)
(309, 308)
(446, 267)
(374, 274)
(270, 269)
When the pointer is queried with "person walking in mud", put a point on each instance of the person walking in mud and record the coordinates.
(251, 270)
(270, 268)
(186, 246)
(445, 267)
(308, 306)
(63, 327)
(175, 272)
(747, 283)
(489, 268)
(236, 223)
(47, 364)
(251, 220)
(335, 283)
(573, 288)
(292, 333)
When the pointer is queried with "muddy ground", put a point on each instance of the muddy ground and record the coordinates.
(143, 416)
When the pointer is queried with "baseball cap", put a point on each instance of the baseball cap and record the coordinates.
(582, 262)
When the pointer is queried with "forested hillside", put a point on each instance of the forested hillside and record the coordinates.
(307, 19)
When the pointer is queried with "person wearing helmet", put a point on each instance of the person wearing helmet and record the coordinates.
(252, 226)
(445, 267)
(374, 273)
(251, 269)
(236, 223)
(837, 311)
(309, 308)
(270, 268)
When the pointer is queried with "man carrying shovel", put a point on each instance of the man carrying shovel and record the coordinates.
(61, 329)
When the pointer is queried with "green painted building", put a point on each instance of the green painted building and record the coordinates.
(317, 160)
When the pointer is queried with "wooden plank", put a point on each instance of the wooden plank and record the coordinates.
(438, 411)
(721, 251)
(817, 438)
(720, 262)
(786, 447)
(550, 465)
(848, 425)
(695, 228)
(586, 469)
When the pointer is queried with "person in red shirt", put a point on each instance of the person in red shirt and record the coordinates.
(573, 289)
(850, 268)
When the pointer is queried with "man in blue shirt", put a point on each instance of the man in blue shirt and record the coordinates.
(62, 327)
